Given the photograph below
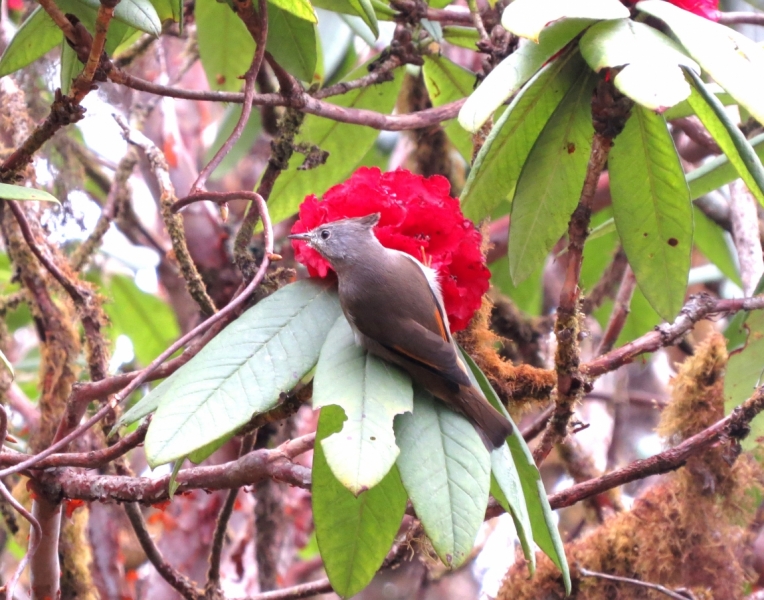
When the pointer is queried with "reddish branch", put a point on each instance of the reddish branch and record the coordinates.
(251, 468)
(259, 35)
(697, 308)
(620, 312)
(610, 109)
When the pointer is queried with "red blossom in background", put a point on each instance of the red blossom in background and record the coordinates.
(16, 4)
(703, 8)
(419, 217)
(708, 9)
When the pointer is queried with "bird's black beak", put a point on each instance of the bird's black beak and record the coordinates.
(300, 236)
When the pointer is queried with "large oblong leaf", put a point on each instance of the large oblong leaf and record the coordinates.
(652, 209)
(19, 192)
(299, 8)
(354, 534)
(651, 75)
(371, 392)
(512, 72)
(718, 171)
(346, 144)
(552, 179)
(728, 136)
(734, 61)
(527, 18)
(540, 513)
(225, 46)
(242, 370)
(500, 161)
(292, 41)
(36, 36)
(447, 82)
(446, 471)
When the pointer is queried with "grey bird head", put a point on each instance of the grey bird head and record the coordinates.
(340, 241)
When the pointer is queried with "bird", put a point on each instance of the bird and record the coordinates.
(394, 305)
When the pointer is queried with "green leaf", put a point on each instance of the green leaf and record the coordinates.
(145, 406)
(728, 136)
(354, 533)
(551, 181)
(745, 371)
(241, 148)
(642, 318)
(528, 295)
(446, 471)
(225, 46)
(652, 209)
(371, 392)
(292, 41)
(466, 37)
(683, 109)
(19, 192)
(651, 75)
(148, 321)
(734, 61)
(718, 171)
(242, 371)
(512, 72)
(36, 36)
(536, 503)
(140, 14)
(710, 240)
(527, 18)
(358, 8)
(70, 67)
(347, 145)
(500, 161)
(447, 82)
(301, 9)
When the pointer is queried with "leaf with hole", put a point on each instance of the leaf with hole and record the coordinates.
(500, 161)
(551, 181)
(446, 471)
(354, 533)
(371, 392)
(512, 72)
(226, 47)
(242, 371)
(652, 209)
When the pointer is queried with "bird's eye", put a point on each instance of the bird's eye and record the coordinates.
(325, 234)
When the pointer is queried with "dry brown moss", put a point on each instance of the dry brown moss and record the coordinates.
(515, 385)
(687, 531)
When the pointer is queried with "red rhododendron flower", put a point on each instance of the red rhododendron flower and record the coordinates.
(419, 217)
(708, 9)
(16, 4)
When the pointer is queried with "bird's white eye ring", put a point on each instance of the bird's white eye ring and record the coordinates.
(325, 234)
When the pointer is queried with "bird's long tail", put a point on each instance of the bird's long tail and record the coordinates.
(492, 426)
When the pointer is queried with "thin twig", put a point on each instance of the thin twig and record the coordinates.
(176, 579)
(36, 536)
(619, 314)
(652, 586)
(249, 95)
(84, 81)
(741, 18)
(143, 376)
(174, 223)
(745, 234)
(304, 590)
(216, 551)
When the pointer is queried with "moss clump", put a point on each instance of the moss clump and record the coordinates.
(685, 532)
